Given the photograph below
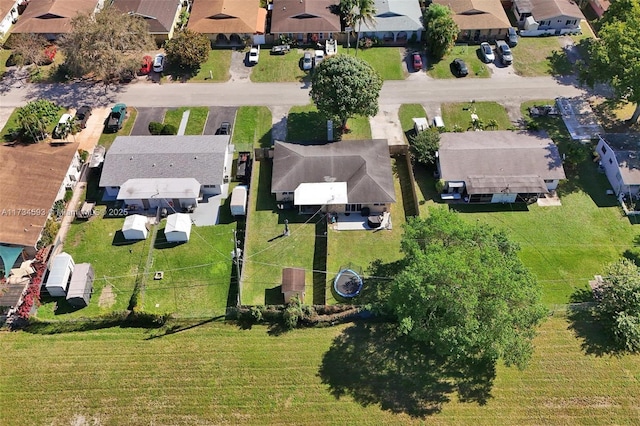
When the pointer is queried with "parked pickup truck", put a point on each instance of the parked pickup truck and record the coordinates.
(116, 118)
(280, 50)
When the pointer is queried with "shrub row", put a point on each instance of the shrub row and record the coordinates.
(125, 319)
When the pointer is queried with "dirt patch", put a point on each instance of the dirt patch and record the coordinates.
(107, 297)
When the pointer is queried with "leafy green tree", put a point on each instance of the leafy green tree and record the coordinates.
(618, 305)
(441, 30)
(356, 12)
(344, 86)
(109, 44)
(464, 292)
(188, 50)
(35, 118)
(28, 49)
(424, 146)
(612, 58)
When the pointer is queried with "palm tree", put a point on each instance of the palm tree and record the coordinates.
(364, 10)
(492, 124)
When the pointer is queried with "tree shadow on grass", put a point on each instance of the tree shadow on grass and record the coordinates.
(307, 126)
(376, 366)
(595, 339)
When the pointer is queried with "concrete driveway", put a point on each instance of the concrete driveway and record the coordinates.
(89, 136)
(216, 116)
(386, 125)
(144, 117)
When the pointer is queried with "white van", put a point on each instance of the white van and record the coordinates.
(238, 204)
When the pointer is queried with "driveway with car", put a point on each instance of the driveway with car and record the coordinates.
(217, 116)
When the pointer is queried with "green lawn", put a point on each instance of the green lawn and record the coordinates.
(459, 114)
(252, 128)
(386, 60)
(266, 250)
(406, 113)
(361, 248)
(537, 56)
(214, 373)
(216, 66)
(106, 139)
(305, 123)
(471, 56)
(116, 266)
(197, 118)
(279, 68)
(196, 274)
(12, 125)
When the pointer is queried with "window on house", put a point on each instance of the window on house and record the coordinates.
(610, 161)
(603, 149)
(353, 207)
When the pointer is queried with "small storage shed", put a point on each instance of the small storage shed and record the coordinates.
(293, 284)
(135, 227)
(178, 227)
(238, 204)
(81, 285)
(60, 273)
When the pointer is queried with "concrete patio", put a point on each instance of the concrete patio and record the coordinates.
(356, 222)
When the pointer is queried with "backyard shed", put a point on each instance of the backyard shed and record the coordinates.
(81, 285)
(135, 227)
(178, 227)
(293, 284)
(59, 275)
(238, 204)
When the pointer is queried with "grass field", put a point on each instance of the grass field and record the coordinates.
(460, 114)
(4, 55)
(252, 128)
(217, 66)
(195, 124)
(468, 53)
(406, 113)
(386, 60)
(106, 139)
(279, 68)
(306, 124)
(211, 373)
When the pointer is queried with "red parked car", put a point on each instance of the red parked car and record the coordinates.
(147, 63)
(417, 62)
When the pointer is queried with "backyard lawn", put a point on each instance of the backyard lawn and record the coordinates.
(468, 53)
(214, 373)
(106, 139)
(459, 114)
(195, 124)
(279, 68)
(386, 60)
(217, 66)
(252, 128)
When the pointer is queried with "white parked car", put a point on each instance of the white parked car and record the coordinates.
(307, 61)
(487, 52)
(318, 57)
(158, 63)
(254, 55)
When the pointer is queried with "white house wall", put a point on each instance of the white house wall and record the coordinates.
(610, 164)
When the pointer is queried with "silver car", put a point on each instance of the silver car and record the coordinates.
(307, 61)
(487, 52)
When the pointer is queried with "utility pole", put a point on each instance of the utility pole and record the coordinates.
(235, 255)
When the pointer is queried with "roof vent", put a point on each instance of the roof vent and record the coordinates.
(195, 158)
(170, 164)
(153, 165)
(130, 158)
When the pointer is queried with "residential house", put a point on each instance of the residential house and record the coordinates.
(33, 177)
(547, 17)
(173, 172)
(307, 21)
(620, 158)
(346, 176)
(478, 20)
(161, 15)
(599, 7)
(396, 22)
(498, 166)
(52, 18)
(229, 22)
(8, 15)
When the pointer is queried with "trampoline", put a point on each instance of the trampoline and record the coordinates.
(347, 283)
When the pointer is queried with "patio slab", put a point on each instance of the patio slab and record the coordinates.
(356, 222)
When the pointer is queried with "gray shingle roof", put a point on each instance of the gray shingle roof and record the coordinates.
(364, 164)
(498, 154)
(159, 14)
(396, 15)
(139, 157)
(626, 147)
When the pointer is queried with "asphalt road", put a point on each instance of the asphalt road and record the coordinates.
(237, 93)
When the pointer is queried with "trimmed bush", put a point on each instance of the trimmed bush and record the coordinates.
(169, 129)
(155, 128)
